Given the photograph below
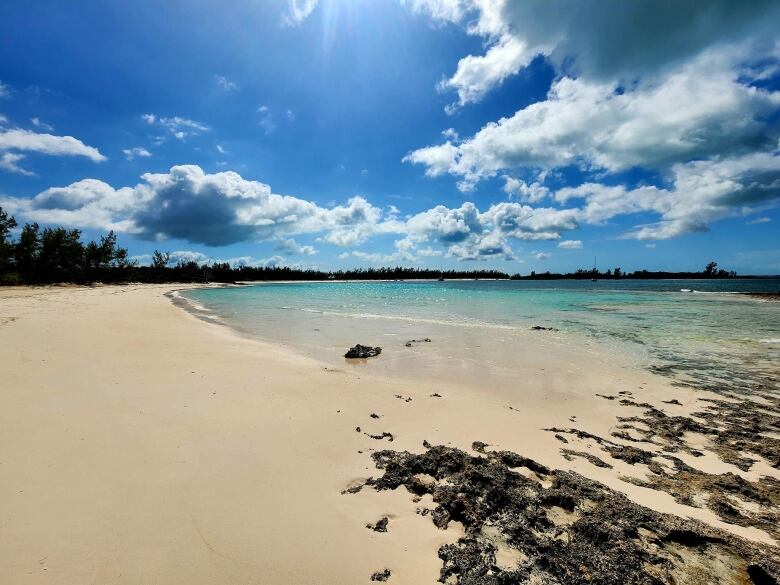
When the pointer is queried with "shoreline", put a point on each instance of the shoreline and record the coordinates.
(173, 450)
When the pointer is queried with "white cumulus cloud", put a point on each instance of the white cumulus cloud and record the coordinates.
(26, 140)
(177, 126)
(298, 11)
(8, 163)
(699, 110)
(136, 152)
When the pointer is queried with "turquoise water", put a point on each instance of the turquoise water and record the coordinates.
(708, 335)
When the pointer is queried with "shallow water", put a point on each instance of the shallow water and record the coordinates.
(708, 335)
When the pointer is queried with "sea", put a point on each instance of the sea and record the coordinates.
(704, 333)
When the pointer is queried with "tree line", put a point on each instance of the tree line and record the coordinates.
(58, 255)
(711, 270)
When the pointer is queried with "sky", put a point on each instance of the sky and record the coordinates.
(518, 135)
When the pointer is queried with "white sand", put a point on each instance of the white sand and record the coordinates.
(140, 445)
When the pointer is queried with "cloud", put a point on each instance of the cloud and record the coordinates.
(476, 75)
(269, 121)
(87, 204)
(524, 222)
(532, 193)
(354, 223)
(291, 247)
(450, 134)
(759, 220)
(405, 251)
(438, 159)
(686, 101)
(700, 193)
(651, 246)
(442, 10)
(212, 209)
(490, 246)
(378, 258)
(138, 151)
(8, 162)
(185, 256)
(38, 123)
(180, 128)
(224, 83)
(469, 234)
(5, 91)
(541, 255)
(699, 110)
(217, 209)
(298, 11)
(570, 244)
(588, 39)
(26, 140)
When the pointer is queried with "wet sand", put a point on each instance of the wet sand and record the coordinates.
(139, 444)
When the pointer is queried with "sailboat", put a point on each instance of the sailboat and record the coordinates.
(595, 272)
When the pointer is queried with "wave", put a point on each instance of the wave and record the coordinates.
(193, 304)
(710, 292)
(452, 323)
(770, 340)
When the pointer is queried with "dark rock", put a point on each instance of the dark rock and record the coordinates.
(733, 430)
(540, 328)
(380, 437)
(629, 454)
(362, 351)
(380, 525)
(569, 455)
(479, 446)
(421, 483)
(759, 576)
(381, 575)
(354, 488)
(576, 531)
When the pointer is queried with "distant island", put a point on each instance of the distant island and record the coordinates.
(58, 255)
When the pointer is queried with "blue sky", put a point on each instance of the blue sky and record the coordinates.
(453, 133)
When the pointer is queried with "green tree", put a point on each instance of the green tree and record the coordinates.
(7, 223)
(61, 258)
(160, 260)
(27, 250)
(98, 258)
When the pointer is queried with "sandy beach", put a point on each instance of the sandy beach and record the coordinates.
(140, 444)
